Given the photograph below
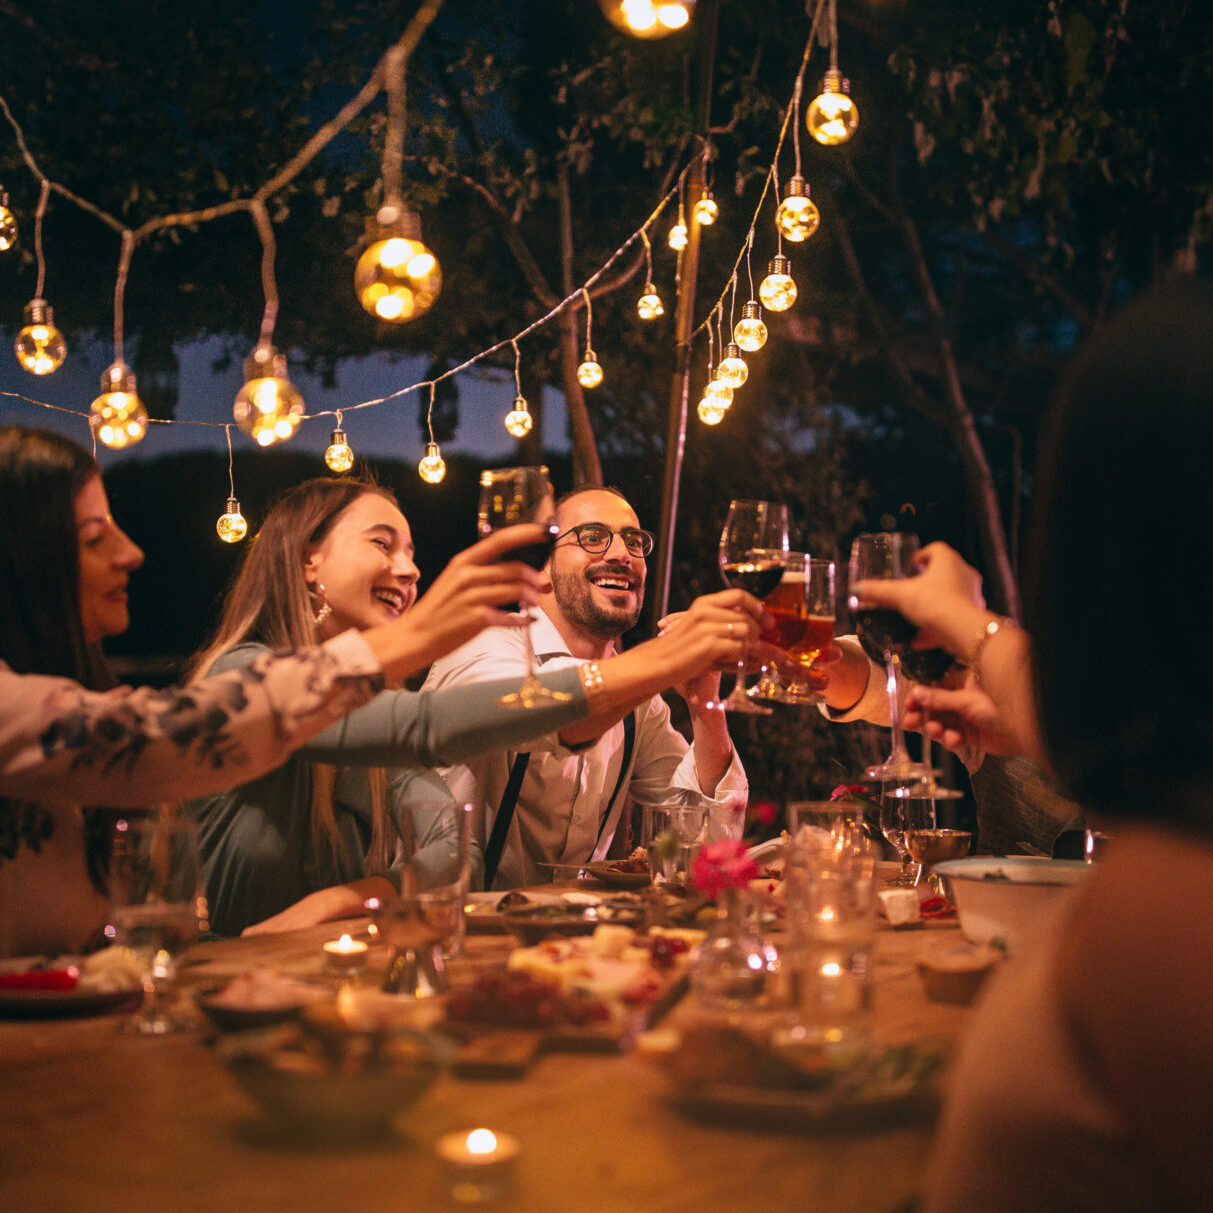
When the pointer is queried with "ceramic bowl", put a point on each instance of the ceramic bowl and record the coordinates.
(1000, 901)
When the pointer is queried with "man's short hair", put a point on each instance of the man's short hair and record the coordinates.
(593, 488)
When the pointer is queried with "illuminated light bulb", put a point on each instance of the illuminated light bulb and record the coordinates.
(589, 373)
(710, 412)
(397, 278)
(749, 332)
(339, 456)
(706, 210)
(677, 239)
(797, 217)
(8, 223)
(777, 290)
(832, 116)
(432, 467)
(40, 347)
(231, 526)
(118, 417)
(649, 305)
(732, 369)
(268, 407)
(648, 18)
(519, 420)
(718, 393)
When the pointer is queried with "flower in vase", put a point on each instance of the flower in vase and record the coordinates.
(723, 865)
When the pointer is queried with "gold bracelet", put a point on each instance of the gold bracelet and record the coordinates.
(593, 685)
(991, 629)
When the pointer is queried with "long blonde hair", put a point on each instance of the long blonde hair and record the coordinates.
(269, 603)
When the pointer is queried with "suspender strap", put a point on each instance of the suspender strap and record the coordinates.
(509, 801)
(505, 815)
(629, 744)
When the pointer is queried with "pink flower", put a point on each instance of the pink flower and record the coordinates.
(850, 791)
(765, 812)
(723, 865)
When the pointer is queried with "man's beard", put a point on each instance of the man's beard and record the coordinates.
(575, 597)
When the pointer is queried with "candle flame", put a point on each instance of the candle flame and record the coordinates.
(481, 1141)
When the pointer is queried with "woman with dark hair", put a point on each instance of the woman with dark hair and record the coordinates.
(1084, 1083)
(312, 839)
(66, 741)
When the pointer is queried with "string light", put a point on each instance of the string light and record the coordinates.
(519, 420)
(832, 117)
(649, 305)
(798, 217)
(339, 457)
(749, 332)
(397, 278)
(677, 239)
(118, 417)
(432, 466)
(8, 223)
(732, 369)
(648, 18)
(589, 373)
(231, 526)
(706, 210)
(40, 347)
(777, 290)
(268, 407)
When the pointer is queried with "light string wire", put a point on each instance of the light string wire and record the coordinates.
(231, 480)
(771, 179)
(43, 197)
(517, 368)
(429, 412)
(589, 320)
(397, 53)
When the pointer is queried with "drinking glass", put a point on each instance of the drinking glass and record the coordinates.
(904, 808)
(820, 613)
(509, 496)
(672, 834)
(887, 637)
(156, 903)
(753, 547)
(786, 606)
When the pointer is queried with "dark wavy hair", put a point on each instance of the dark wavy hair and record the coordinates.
(40, 626)
(41, 630)
(1119, 593)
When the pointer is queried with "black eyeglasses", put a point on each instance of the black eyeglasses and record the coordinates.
(595, 538)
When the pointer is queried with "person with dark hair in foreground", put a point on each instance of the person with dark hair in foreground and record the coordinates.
(1084, 1082)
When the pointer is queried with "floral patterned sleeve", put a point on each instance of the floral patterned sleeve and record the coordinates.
(61, 744)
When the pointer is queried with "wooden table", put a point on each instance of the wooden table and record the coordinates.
(97, 1120)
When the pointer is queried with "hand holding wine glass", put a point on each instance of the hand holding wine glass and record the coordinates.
(509, 496)
(753, 546)
(156, 901)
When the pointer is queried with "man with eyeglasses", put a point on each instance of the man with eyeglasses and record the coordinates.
(561, 800)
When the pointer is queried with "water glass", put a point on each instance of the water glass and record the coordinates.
(437, 854)
(672, 835)
(832, 903)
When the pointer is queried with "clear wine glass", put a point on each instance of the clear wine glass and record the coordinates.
(509, 496)
(753, 547)
(905, 808)
(887, 636)
(156, 904)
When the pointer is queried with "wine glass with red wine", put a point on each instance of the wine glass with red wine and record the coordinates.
(509, 496)
(888, 638)
(753, 547)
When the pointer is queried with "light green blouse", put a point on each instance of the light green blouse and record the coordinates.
(258, 858)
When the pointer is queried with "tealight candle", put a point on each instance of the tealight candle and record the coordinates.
(479, 1165)
(346, 955)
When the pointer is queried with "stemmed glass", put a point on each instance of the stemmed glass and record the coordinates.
(887, 636)
(904, 809)
(509, 496)
(156, 903)
(753, 547)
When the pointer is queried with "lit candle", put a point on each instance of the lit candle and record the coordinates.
(479, 1165)
(346, 955)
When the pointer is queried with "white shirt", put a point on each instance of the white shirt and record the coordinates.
(567, 791)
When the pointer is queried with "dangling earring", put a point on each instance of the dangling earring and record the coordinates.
(324, 610)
